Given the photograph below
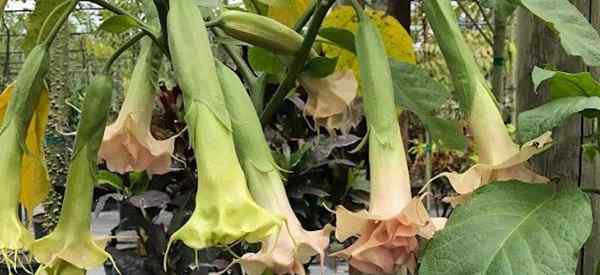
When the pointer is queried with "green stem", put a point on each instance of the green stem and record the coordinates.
(245, 70)
(306, 16)
(134, 39)
(143, 26)
(298, 62)
(61, 21)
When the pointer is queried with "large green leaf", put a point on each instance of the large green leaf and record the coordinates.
(563, 84)
(417, 92)
(576, 34)
(512, 228)
(537, 121)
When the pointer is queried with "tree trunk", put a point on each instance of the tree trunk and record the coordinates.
(499, 49)
(538, 45)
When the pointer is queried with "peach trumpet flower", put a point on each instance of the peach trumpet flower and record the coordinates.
(499, 157)
(128, 144)
(287, 251)
(388, 232)
(332, 100)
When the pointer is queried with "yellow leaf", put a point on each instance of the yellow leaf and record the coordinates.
(34, 176)
(397, 41)
(289, 15)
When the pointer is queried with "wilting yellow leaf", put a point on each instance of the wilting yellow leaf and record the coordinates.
(289, 15)
(397, 41)
(34, 176)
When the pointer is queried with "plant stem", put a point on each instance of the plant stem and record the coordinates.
(499, 49)
(134, 39)
(143, 26)
(61, 21)
(298, 62)
(306, 16)
(475, 23)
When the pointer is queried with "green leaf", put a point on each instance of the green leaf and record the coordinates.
(537, 121)
(563, 84)
(417, 92)
(118, 24)
(111, 179)
(36, 19)
(320, 67)
(512, 228)
(340, 37)
(576, 34)
(264, 61)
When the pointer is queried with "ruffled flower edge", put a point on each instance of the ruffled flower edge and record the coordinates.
(513, 168)
(287, 252)
(385, 244)
(128, 146)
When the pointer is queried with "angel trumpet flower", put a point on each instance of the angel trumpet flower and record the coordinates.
(388, 231)
(283, 253)
(225, 211)
(332, 100)
(28, 87)
(499, 157)
(71, 241)
(128, 144)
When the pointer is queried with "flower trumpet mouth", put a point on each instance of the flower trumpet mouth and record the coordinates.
(385, 244)
(286, 252)
(78, 250)
(129, 146)
(514, 167)
(332, 101)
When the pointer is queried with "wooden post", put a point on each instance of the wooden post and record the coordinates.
(538, 45)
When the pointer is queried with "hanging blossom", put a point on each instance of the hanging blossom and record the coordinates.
(332, 100)
(499, 157)
(287, 251)
(128, 144)
(388, 232)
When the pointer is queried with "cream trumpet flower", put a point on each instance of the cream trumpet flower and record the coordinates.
(286, 252)
(72, 241)
(225, 211)
(29, 85)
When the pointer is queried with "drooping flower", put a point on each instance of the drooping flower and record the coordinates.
(286, 252)
(34, 175)
(128, 144)
(332, 100)
(14, 237)
(499, 157)
(387, 233)
(225, 211)
(72, 241)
